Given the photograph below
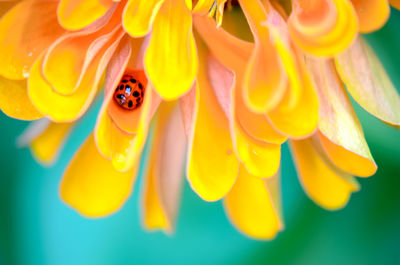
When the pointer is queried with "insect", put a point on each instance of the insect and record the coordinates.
(129, 92)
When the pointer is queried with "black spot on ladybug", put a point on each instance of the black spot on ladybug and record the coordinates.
(136, 94)
(124, 81)
(130, 104)
(140, 86)
(133, 80)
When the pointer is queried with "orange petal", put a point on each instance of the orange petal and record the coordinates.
(255, 125)
(60, 107)
(164, 177)
(368, 83)
(253, 205)
(372, 14)
(171, 59)
(323, 183)
(77, 51)
(260, 157)
(92, 186)
(323, 28)
(139, 16)
(25, 31)
(265, 81)
(395, 3)
(343, 137)
(48, 144)
(212, 166)
(114, 72)
(229, 50)
(77, 14)
(14, 100)
(127, 120)
(301, 120)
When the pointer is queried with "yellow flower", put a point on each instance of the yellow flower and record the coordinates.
(222, 98)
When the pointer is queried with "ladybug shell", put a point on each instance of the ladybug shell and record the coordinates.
(129, 93)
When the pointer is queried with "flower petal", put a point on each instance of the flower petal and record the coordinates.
(14, 100)
(212, 166)
(77, 51)
(395, 3)
(372, 14)
(77, 14)
(171, 59)
(341, 133)
(325, 185)
(48, 144)
(24, 35)
(139, 16)
(264, 82)
(229, 50)
(60, 107)
(165, 173)
(259, 154)
(260, 159)
(256, 125)
(368, 83)
(323, 28)
(301, 120)
(203, 7)
(123, 147)
(92, 186)
(251, 205)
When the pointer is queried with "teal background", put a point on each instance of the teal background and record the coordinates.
(37, 228)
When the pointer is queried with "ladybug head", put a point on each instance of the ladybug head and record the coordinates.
(129, 92)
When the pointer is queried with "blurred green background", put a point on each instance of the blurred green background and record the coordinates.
(37, 228)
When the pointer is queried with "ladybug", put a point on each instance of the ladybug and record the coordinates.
(129, 92)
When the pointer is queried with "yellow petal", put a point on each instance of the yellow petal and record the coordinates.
(25, 31)
(139, 16)
(323, 28)
(260, 159)
(77, 14)
(202, 7)
(164, 176)
(92, 186)
(14, 100)
(325, 185)
(395, 3)
(171, 59)
(301, 120)
(343, 137)
(251, 206)
(348, 160)
(123, 147)
(212, 166)
(48, 144)
(63, 108)
(265, 81)
(368, 83)
(372, 14)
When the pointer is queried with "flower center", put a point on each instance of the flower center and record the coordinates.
(129, 93)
